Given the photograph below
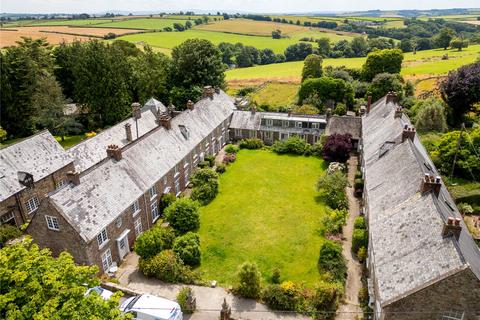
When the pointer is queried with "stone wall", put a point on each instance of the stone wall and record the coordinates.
(459, 292)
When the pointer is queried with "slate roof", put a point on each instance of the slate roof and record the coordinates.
(109, 188)
(39, 155)
(93, 150)
(407, 249)
(154, 105)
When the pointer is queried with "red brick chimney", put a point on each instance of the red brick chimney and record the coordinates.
(369, 104)
(136, 112)
(452, 227)
(113, 151)
(408, 133)
(128, 132)
(398, 112)
(208, 92)
(164, 120)
(391, 97)
(73, 177)
(431, 183)
(190, 105)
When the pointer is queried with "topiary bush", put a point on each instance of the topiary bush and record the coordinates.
(362, 254)
(359, 239)
(8, 232)
(166, 266)
(187, 248)
(359, 223)
(205, 182)
(248, 284)
(151, 242)
(183, 215)
(252, 143)
(202, 176)
(332, 261)
(182, 299)
(231, 148)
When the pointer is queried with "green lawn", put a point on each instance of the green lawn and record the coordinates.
(171, 39)
(265, 213)
(424, 62)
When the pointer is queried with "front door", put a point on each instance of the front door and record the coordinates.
(123, 247)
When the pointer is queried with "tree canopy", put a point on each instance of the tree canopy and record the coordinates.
(382, 61)
(312, 67)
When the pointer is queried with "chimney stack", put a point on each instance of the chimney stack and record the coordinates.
(253, 109)
(369, 104)
(391, 97)
(408, 133)
(113, 151)
(452, 227)
(217, 89)
(190, 105)
(136, 112)
(431, 183)
(164, 120)
(208, 92)
(73, 177)
(398, 112)
(128, 132)
(328, 113)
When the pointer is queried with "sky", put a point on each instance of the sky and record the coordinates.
(259, 6)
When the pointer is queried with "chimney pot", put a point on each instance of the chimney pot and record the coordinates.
(73, 177)
(137, 113)
(452, 228)
(208, 92)
(431, 183)
(408, 133)
(190, 105)
(164, 120)
(113, 151)
(128, 132)
(217, 89)
(457, 221)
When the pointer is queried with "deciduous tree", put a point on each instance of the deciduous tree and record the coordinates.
(312, 67)
(382, 61)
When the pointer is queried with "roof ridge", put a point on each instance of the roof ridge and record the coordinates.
(24, 139)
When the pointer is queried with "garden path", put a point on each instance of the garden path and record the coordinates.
(209, 300)
(350, 308)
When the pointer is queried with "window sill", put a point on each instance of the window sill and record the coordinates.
(155, 220)
(176, 174)
(136, 213)
(153, 198)
(32, 212)
(57, 230)
(103, 244)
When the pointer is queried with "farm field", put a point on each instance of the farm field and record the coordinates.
(424, 63)
(171, 39)
(255, 218)
(55, 34)
(146, 23)
(276, 94)
(80, 22)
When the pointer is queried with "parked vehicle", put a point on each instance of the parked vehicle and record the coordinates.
(148, 307)
(104, 293)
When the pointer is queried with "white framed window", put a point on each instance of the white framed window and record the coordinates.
(238, 132)
(298, 124)
(152, 192)
(284, 123)
(7, 217)
(118, 222)
(138, 227)
(136, 207)
(315, 125)
(176, 170)
(154, 210)
(107, 260)
(52, 223)
(177, 188)
(268, 135)
(269, 122)
(284, 136)
(252, 133)
(165, 180)
(32, 204)
(61, 183)
(102, 237)
(187, 177)
(316, 138)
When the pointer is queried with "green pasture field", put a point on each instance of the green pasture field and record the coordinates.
(266, 212)
(142, 23)
(82, 22)
(276, 94)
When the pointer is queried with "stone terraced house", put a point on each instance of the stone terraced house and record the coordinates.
(94, 199)
(422, 261)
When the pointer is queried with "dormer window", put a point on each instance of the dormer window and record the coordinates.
(299, 124)
(285, 123)
(185, 132)
(269, 122)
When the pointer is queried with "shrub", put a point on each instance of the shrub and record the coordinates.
(182, 299)
(326, 88)
(183, 215)
(465, 208)
(187, 248)
(359, 223)
(385, 82)
(203, 164)
(362, 254)
(380, 61)
(166, 266)
(221, 168)
(8, 232)
(337, 147)
(292, 145)
(276, 276)
(203, 176)
(331, 260)
(431, 118)
(210, 160)
(358, 175)
(358, 184)
(248, 285)
(333, 187)
(334, 220)
(151, 242)
(277, 298)
(252, 143)
(231, 148)
(324, 300)
(166, 200)
(359, 239)
(229, 158)
(205, 193)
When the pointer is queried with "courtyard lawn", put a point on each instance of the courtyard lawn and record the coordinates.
(266, 212)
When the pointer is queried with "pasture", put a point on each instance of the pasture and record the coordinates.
(255, 217)
(143, 23)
